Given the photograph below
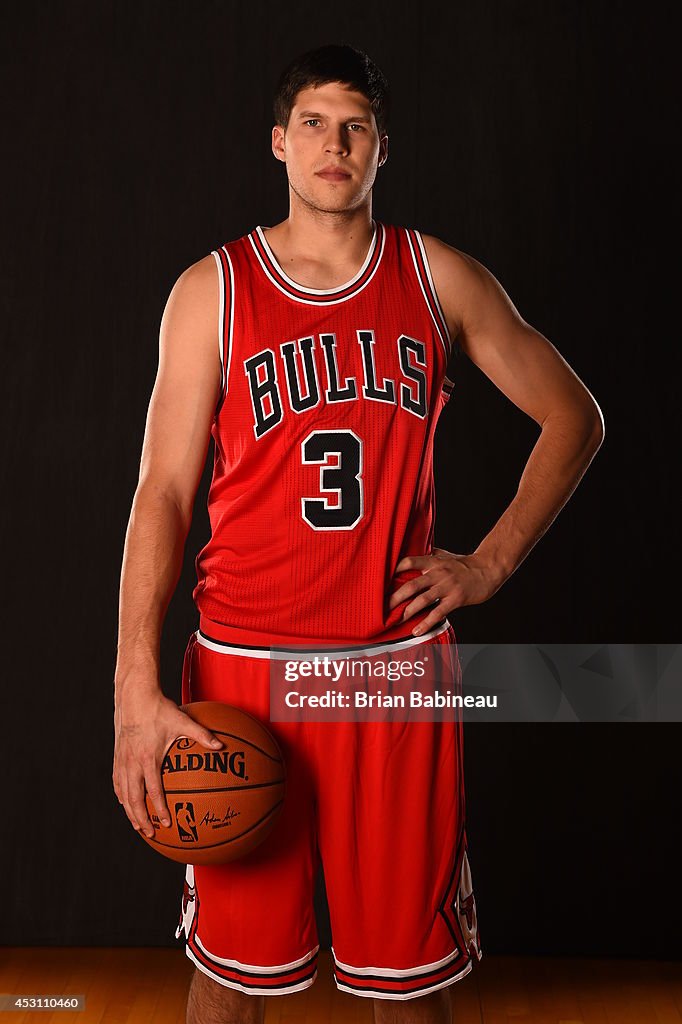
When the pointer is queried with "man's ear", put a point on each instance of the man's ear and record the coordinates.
(383, 150)
(278, 142)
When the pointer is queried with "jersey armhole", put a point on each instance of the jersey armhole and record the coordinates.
(225, 317)
(423, 271)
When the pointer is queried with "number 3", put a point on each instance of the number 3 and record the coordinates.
(343, 479)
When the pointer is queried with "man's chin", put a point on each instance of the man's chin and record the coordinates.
(328, 203)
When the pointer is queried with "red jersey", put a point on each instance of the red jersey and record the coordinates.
(323, 459)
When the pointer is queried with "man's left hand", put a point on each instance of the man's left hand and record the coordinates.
(451, 580)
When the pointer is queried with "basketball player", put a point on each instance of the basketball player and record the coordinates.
(316, 354)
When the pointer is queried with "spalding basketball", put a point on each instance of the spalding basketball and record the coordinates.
(222, 803)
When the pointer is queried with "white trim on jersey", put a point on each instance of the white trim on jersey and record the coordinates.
(376, 993)
(389, 972)
(225, 340)
(230, 333)
(221, 316)
(420, 240)
(320, 291)
(279, 652)
(442, 329)
(250, 990)
(230, 330)
(240, 965)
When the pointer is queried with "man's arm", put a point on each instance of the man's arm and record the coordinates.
(173, 455)
(527, 368)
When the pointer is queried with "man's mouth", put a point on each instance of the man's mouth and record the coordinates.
(333, 175)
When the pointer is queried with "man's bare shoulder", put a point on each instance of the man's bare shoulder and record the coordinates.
(440, 252)
(198, 278)
(464, 285)
(192, 308)
(454, 268)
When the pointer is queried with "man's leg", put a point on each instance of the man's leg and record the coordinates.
(401, 904)
(249, 925)
(211, 1003)
(431, 1009)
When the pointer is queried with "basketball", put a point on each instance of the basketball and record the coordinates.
(222, 803)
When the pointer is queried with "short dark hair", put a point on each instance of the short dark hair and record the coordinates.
(333, 63)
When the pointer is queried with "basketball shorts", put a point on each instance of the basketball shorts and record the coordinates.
(380, 805)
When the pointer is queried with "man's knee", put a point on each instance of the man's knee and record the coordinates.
(211, 1003)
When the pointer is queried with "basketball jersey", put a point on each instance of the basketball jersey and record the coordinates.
(323, 445)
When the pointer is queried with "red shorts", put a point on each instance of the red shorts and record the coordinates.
(381, 804)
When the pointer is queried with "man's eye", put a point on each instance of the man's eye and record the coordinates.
(354, 125)
(311, 119)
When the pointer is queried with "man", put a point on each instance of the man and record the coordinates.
(322, 395)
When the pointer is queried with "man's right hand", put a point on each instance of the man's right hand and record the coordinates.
(145, 725)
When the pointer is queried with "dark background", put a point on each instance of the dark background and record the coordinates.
(536, 136)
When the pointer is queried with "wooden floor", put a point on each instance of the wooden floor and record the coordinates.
(149, 986)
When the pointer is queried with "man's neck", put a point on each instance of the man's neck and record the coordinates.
(328, 239)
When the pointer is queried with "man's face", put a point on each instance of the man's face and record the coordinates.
(331, 128)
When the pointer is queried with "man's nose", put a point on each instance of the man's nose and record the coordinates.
(337, 140)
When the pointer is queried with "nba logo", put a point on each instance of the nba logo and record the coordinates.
(184, 819)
